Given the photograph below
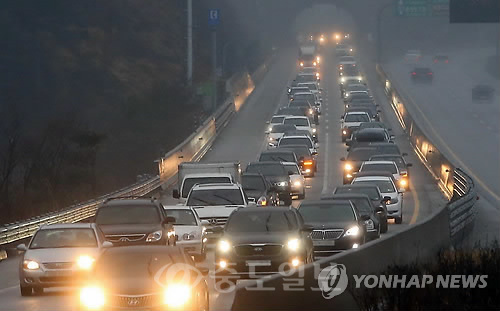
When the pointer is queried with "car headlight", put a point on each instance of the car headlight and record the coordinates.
(282, 184)
(224, 246)
(270, 129)
(31, 265)
(271, 139)
(297, 184)
(314, 64)
(177, 295)
(262, 201)
(346, 94)
(403, 183)
(311, 111)
(293, 244)
(353, 231)
(85, 262)
(314, 130)
(342, 79)
(154, 236)
(370, 225)
(92, 297)
(301, 64)
(348, 167)
(344, 132)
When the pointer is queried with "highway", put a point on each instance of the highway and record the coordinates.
(243, 139)
(466, 131)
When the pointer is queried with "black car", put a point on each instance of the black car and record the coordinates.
(278, 155)
(145, 278)
(277, 175)
(353, 161)
(258, 241)
(386, 148)
(135, 221)
(337, 225)
(307, 161)
(422, 74)
(369, 135)
(373, 192)
(296, 132)
(365, 207)
(258, 188)
(482, 92)
(374, 124)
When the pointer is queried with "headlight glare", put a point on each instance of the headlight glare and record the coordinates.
(92, 297)
(353, 231)
(348, 167)
(85, 262)
(293, 244)
(31, 265)
(224, 246)
(177, 295)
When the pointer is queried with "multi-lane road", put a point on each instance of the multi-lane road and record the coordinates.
(244, 139)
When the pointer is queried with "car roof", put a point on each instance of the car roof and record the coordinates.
(276, 150)
(264, 209)
(303, 93)
(358, 186)
(356, 112)
(296, 117)
(379, 162)
(345, 196)
(372, 130)
(78, 225)
(387, 155)
(368, 178)
(325, 202)
(374, 174)
(180, 207)
(217, 185)
(295, 136)
(261, 163)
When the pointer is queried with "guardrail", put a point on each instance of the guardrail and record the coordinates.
(192, 148)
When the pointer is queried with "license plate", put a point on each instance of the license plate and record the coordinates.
(258, 263)
(324, 243)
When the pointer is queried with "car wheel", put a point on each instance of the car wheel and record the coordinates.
(398, 220)
(26, 290)
(38, 290)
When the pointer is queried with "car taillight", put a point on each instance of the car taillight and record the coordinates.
(435, 61)
(308, 163)
(446, 61)
(429, 73)
(413, 73)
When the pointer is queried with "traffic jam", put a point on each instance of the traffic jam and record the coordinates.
(231, 221)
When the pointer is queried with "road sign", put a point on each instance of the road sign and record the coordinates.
(422, 7)
(214, 17)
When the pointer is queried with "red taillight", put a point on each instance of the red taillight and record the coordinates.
(446, 61)
(435, 61)
(414, 73)
(429, 73)
(308, 163)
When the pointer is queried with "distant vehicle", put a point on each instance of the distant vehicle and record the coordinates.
(305, 105)
(307, 161)
(190, 233)
(387, 188)
(192, 173)
(296, 179)
(368, 135)
(278, 155)
(293, 111)
(413, 56)
(59, 255)
(139, 278)
(482, 92)
(440, 58)
(260, 241)
(400, 162)
(297, 89)
(299, 140)
(369, 108)
(259, 189)
(306, 77)
(311, 97)
(337, 225)
(383, 166)
(351, 121)
(422, 74)
(277, 131)
(135, 221)
(353, 161)
(302, 123)
(308, 56)
(277, 175)
(275, 120)
(374, 124)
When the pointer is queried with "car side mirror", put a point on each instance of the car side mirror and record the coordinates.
(392, 137)
(22, 247)
(107, 244)
(168, 220)
(251, 200)
(176, 194)
(409, 164)
(389, 129)
(365, 217)
(342, 159)
(268, 122)
(348, 142)
(341, 117)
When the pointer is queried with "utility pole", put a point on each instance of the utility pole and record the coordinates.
(189, 42)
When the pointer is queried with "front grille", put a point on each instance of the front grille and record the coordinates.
(258, 250)
(124, 238)
(55, 279)
(58, 265)
(329, 234)
(133, 302)
(216, 221)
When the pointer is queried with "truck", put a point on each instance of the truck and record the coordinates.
(308, 56)
(193, 173)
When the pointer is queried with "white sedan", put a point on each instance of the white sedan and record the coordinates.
(296, 179)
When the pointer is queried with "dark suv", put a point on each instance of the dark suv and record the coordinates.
(277, 175)
(257, 241)
(135, 221)
(258, 188)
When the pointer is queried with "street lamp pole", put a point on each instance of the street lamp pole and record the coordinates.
(189, 75)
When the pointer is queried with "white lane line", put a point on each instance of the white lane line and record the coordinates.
(3, 290)
(326, 160)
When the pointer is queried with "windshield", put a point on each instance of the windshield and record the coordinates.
(398, 160)
(183, 217)
(299, 90)
(213, 197)
(252, 183)
(297, 121)
(277, 120)
(296, 141)
(356, 118)
(133, 214)
(385, 186)
(292, 168)
(64, 238)
(379, 167)
(322, 213)
(267, 169)
(361, 154)
(370, 136)
(190, 182)
(371, 125)
(388, 149)
(262, 222)
(278, 157)
(369, 191)
(300, 151)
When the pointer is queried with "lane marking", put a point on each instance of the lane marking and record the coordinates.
(3, 290)
(325, 177)
(416, 202)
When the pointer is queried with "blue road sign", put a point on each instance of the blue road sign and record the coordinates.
(214, 17)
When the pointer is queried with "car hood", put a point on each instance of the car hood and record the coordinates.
(276, 136)
(274, 179)
(332, 225)
(255, 193)
(129, 228)
(215, 211)
(125, 285)
(60, 254)
(258, 237)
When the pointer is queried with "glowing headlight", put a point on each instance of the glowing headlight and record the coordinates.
(311, 111)
(301, 64)
(344, 132)
(270, 129)
(262, 201)
(317, 74)
(271, 139)
(31, 265)
(297, 184)
(342, 79)
(223, 264)
(293, 244)
(403, 182)
(314, 63)
(154, 236)
(85, 262)
(350, 50)
(314, 130)
(317, 59)
(92, 297)
(224, 246)
(353, 231)
(370, 225)
(177, 295)
(355, 245)
(295, 262)
(346, 94)
(348, 167)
